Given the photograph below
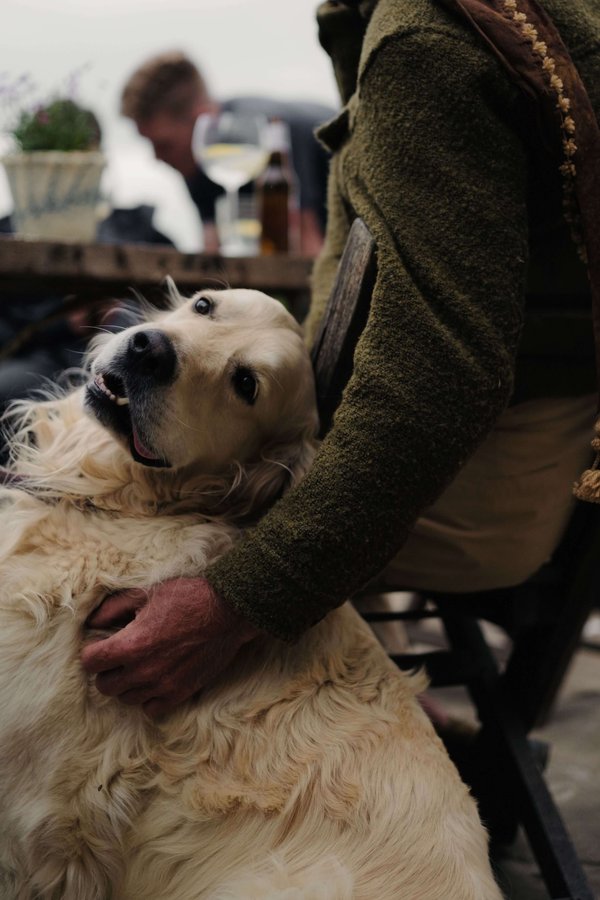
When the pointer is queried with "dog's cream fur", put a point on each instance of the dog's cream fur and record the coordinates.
(307, 770)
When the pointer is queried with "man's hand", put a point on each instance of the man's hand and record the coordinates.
(180, 636)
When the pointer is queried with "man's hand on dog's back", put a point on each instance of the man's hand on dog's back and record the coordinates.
(180, 635)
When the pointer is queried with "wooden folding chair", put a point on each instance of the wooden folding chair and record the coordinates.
(543, 617)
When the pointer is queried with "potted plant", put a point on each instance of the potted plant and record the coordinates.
(54, 171)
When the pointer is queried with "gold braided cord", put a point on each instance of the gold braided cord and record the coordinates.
(563, 104)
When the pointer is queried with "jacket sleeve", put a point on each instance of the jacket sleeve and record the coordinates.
(439, 175)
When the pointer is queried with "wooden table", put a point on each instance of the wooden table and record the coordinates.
(91, 273)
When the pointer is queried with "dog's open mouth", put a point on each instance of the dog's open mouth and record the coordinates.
(104, 383)
(107, 397)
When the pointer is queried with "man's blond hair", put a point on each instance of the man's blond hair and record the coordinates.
(168, 83)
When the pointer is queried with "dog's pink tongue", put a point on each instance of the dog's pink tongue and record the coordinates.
(143, 451)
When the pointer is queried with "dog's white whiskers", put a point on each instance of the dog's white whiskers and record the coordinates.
(98, 328)
(186, 424)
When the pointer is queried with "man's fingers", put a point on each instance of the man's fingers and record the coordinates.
(137, 697)
(129, 680)
(118, 609)
(180, 638)
(164, 699)
(114, 682)
(156, 708)
(109, 653)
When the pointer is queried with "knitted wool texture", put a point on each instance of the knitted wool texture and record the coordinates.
(432, 153)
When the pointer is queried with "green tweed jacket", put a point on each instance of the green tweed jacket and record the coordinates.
(436, 151)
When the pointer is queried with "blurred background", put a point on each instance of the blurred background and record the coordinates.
(266, 47)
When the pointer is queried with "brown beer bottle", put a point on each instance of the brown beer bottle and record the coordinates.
(276, 192)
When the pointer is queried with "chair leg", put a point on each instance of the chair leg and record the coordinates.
(542, 656)
(539, 661)
(533, 804)
(515, 780)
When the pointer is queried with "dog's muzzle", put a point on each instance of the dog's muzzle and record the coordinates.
(118, 395)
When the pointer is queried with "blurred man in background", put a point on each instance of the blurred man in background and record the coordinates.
(165, 96)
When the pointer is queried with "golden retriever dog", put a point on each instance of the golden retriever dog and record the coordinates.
(306, 770)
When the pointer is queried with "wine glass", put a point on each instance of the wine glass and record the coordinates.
(231, 148)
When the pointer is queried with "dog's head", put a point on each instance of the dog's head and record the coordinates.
(222, 378)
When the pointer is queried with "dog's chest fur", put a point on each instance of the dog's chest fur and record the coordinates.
(75, 556)
(57, 563)
(299, 757)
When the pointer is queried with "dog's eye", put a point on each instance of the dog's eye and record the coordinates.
(245, 384)
(203, 306)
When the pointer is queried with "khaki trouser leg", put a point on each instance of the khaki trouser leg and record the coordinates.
(506, 511)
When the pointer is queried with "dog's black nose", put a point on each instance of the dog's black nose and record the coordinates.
(152, 353)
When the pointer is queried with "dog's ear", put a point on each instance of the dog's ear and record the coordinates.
(293, 459)
(281, 467)
(300, 459)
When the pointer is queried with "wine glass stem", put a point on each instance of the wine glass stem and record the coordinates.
(233, 204)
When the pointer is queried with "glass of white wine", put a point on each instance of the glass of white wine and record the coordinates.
(231, 148)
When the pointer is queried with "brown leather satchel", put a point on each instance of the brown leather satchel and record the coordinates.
(527, 43)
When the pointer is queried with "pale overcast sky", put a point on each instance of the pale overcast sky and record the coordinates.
(268, 47)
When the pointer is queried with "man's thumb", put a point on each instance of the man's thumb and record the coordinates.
(118, 609)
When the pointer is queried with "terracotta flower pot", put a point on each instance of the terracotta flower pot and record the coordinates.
(55, 193)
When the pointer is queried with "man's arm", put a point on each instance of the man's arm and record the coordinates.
(204, 194)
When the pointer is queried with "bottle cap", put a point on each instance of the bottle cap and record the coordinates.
(278, 136)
